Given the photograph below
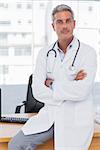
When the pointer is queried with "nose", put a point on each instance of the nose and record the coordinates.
(65, 24)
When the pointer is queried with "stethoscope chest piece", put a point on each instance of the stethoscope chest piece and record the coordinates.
(71, 73)
(72, 68)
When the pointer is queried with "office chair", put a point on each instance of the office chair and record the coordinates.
(31, 105)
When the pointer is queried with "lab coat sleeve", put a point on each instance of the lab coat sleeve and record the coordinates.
(65, 89)
(40, 91)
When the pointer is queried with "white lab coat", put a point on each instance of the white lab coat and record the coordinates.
(69, 105)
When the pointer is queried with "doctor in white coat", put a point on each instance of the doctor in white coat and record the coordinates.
(63, 80)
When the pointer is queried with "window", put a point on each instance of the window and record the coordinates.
(25, 27)
(16, 38)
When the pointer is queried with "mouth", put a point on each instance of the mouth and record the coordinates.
(64, 31)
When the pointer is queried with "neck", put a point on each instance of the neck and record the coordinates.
(63, 44)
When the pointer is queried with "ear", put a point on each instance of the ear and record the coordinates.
(53, 26)
(74, 23)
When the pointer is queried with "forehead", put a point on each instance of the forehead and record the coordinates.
(63, 15)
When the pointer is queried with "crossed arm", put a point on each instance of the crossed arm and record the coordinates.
(59, 93)
(80, 76)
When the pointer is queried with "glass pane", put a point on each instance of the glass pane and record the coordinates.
(16, 41)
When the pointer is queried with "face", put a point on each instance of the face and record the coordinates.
(63, 25)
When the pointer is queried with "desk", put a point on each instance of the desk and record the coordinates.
(8, 130)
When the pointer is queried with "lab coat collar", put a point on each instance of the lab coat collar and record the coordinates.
(69, 46)
(71, 50)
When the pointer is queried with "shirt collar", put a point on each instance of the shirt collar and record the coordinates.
(69, 46)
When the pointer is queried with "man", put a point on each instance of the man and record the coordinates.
(63, 80)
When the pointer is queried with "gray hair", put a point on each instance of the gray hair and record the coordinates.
(60, 8)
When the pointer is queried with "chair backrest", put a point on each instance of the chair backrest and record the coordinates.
(32, 105)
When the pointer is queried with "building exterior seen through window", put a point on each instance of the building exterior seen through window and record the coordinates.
(25, 27)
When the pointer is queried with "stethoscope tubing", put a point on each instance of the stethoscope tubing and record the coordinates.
(52, 50)
(72, 65)
(76, 53)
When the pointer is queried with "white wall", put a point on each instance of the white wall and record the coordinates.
(11, 96)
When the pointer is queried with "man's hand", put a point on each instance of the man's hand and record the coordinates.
(80, 75)
(48, 82)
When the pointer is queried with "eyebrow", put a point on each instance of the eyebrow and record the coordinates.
(63, 19)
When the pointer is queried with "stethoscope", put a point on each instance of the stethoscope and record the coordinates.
(72, 67)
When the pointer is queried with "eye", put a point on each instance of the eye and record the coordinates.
(59, 21)
(69, 20)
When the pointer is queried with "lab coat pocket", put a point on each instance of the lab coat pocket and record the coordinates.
(83, 114)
